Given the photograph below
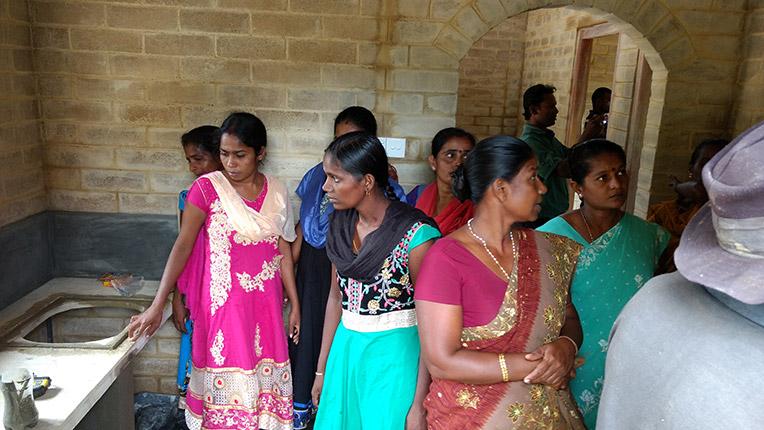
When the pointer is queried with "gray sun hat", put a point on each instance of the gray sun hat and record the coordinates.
(722, 247)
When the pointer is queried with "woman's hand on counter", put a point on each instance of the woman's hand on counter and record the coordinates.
(146, 323)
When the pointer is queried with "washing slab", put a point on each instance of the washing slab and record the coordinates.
(15, 331)
(81, 375)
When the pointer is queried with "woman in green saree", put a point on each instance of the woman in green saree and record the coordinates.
(620, 254)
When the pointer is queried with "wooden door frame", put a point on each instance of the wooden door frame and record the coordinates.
(640, 102)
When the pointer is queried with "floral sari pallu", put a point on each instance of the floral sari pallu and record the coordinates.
(531, 314)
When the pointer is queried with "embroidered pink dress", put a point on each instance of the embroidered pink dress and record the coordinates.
(241, 376)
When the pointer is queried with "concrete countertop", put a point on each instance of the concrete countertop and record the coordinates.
(79, 376)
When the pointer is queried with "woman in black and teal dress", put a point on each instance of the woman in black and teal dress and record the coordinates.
(314, 270)
(369, 371)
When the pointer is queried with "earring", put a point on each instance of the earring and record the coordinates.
(368, 192)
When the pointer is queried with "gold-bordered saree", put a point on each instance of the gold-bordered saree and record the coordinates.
(531, 314)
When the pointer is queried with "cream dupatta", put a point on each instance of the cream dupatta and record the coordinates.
(274, 219)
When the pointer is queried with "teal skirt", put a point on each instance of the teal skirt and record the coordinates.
(370, 380)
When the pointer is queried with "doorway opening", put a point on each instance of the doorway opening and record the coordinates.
(607, 58)
(542, 46)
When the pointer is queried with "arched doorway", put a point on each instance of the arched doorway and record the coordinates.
(428, 66)
(572, 50)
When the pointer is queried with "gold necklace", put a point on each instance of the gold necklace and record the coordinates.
(356, 247)
(586, 223)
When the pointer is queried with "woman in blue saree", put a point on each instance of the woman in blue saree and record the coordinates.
(620, 254)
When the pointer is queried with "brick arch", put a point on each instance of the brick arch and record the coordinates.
(651, 26)
(649, 23)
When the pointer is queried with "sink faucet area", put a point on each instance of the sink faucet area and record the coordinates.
(74, 331)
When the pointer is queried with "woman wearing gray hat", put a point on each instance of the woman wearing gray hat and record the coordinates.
(688, 349)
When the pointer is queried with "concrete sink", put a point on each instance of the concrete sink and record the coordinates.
(73, 321)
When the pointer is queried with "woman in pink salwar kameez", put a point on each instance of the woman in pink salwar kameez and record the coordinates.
(234, 268)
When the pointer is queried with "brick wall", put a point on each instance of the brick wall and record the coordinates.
(22, 188)
(749, 107)
(156, 367)
(622, 83)
(550, 53)
(601, 66)
(121, 82)
(118, 82)
(699, 92)
(489, 81)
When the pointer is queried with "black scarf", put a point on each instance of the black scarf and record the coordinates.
(364, 267)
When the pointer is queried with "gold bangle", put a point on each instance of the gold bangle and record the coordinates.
(575, 345)
(503, 366)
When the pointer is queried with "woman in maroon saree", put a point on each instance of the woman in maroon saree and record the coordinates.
(498, 331)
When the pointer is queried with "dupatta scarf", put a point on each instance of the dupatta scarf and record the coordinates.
(274, 219)
(399, 217)
(452, 217)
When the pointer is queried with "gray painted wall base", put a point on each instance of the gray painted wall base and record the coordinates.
(26, 257)
(81, 244)
(90, 244)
